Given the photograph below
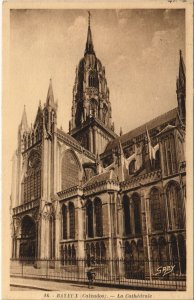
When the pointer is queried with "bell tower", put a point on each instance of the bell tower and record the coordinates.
(91, 122)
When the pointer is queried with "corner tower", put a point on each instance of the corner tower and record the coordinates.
(91, 122)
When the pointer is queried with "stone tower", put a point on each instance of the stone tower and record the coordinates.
(91, 122)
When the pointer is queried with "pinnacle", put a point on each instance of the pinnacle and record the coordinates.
(89, 43)
(50, 95)
(24, 122)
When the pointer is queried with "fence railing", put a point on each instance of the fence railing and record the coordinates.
(118, 272)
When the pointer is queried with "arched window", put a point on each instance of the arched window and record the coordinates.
(28, 238)
(89, 214)
(98, 215)
(137, 213)
(175, 206)
(169, 155)
(69, 170)
(127, 226)
(64, 214)
(32, 180)
(156, 210)
(71, 221)
(132, 167)
(92, 80)
(157, 160)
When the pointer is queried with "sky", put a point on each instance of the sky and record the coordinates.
(139, 49)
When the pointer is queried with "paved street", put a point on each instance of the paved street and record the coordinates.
(35, 284)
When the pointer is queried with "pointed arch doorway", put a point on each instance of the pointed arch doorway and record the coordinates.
(28, 238)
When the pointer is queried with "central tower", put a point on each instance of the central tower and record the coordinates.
(91, 122)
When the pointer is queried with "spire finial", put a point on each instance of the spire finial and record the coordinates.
(50, 96)
(89, 16)
(89, 44)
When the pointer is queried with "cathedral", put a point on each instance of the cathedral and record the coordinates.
(94, 195)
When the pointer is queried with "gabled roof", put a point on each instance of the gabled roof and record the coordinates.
(154, 123)
(110, 175)
(68, 136)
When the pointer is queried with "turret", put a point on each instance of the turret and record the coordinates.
(23, 131)
(50, 112)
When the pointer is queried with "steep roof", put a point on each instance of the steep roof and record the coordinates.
(162, 119)
(110, 175)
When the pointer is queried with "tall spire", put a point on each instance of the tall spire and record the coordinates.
(89, 44)
(50, 95)
(181, 89)
(181, 78)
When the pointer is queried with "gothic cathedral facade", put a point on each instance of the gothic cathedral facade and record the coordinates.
(90, 193)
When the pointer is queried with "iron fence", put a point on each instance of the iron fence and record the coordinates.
(117, 272)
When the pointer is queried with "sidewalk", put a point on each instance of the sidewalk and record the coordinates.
(49, 285)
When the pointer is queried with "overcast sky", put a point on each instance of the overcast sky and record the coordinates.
(139, 49)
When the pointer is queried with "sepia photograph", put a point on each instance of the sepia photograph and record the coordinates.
(95, 151)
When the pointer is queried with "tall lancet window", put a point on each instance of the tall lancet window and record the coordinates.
(71, 221)
(98, 215)
(156, 212)
(31, 185)
(92, 79)
(137, 213)
(127, 226)
(69, 170)
(64, 213)
(175, 206)
(89, 219)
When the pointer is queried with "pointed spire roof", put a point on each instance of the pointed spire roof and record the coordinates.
(50, 95)
(24, 122)
(181, 78)
(89, 43)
